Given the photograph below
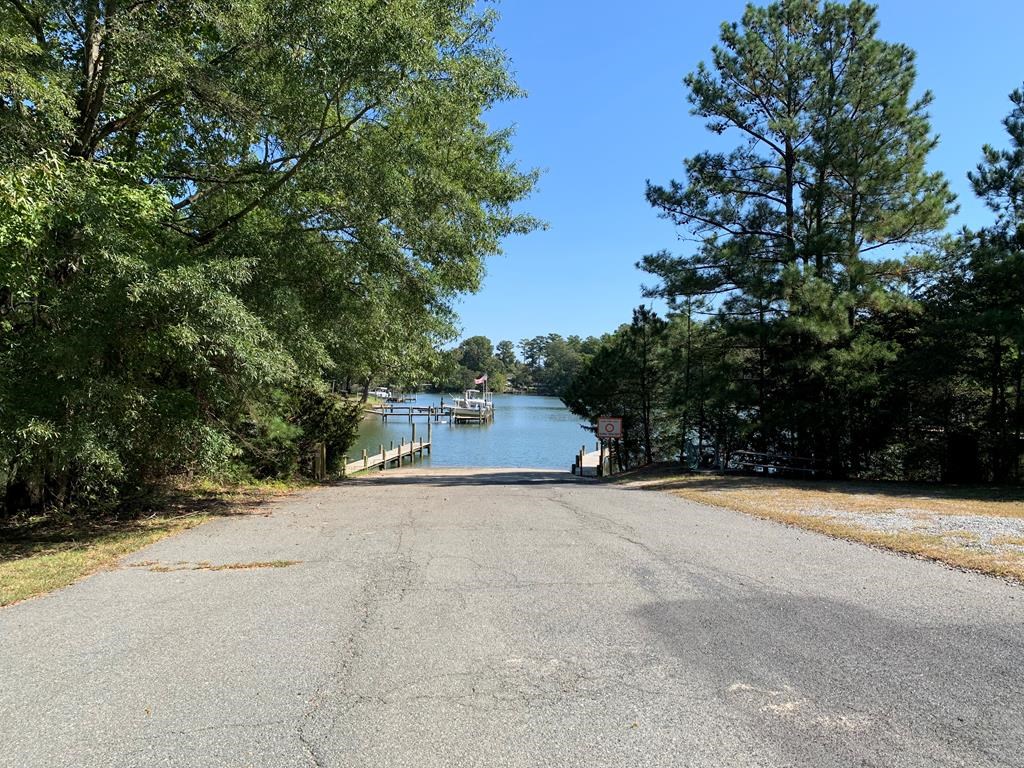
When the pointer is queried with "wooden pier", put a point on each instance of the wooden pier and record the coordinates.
(596, 463)
(479, 417)
(393, 456)
(435, 413)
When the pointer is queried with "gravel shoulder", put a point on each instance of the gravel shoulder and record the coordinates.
(980, 529)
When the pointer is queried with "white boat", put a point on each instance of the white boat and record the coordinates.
(474, 405)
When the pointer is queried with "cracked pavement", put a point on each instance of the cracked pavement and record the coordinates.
(513, 618)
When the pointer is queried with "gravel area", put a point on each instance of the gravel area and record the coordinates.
(982, 532)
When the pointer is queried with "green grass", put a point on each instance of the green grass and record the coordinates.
(44, 553)
(37, 564)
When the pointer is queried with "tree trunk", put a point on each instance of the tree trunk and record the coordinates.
(997, 418)
(684, 427)
(1018, 416)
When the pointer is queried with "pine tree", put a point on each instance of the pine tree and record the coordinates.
(995, 291)
(829, 169)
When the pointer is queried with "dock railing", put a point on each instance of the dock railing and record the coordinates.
(393, 456)
(435, 413)
(597, 463)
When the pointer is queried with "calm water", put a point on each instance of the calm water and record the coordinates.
(527, 431)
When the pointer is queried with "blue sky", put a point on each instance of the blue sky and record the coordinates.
(607, 110)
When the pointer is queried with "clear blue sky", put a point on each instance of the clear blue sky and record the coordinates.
(607, 110)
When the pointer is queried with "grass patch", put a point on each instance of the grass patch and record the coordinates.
(820, 507)
(1013, 541)
(41, 554)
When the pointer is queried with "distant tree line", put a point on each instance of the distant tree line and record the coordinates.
(818, 311)
(543, 365)
(215, 215)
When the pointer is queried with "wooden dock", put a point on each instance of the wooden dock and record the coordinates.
(435, 413)
(393, 456)
(596, 463)
(479, 417)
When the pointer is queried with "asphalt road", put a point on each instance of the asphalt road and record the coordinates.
(504, 618)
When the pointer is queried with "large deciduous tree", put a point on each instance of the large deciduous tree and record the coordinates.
(210, 209)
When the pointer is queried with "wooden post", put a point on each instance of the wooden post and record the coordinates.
(430, 437)
(414, 431)
(383, 457)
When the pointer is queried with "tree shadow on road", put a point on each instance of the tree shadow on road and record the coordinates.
(827, 681)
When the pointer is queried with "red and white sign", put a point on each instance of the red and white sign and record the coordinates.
(609, 427)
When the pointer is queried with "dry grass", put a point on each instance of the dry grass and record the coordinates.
(1013, 541)
(156, 567)
(820, 507)
(41, 554)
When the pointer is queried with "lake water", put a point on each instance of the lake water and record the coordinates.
(527, 431)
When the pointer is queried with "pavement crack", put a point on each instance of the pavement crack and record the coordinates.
(390, 582)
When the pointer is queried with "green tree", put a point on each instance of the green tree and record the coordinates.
(624, 378)
(828, 170)
(211, 210)
(477, 354)
(987, 295)
(507, 355)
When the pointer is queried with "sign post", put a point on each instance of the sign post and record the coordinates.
(609, 428)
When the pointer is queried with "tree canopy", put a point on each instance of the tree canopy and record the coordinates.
(212, 211)
(819, 311)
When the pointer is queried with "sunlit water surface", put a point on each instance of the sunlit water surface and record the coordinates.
(527, 431)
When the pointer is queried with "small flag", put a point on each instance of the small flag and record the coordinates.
(481, 380)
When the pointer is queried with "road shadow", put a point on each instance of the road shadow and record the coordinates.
(468, 477)
(827, 682)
